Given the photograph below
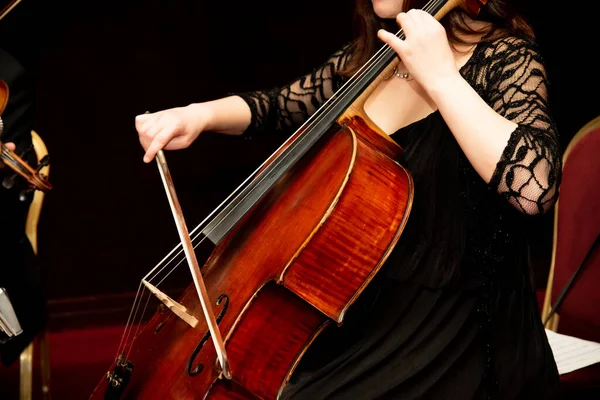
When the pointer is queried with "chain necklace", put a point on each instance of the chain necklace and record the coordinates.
(401, 75)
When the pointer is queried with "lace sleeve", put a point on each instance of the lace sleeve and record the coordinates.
(529, 170)
(289, 106)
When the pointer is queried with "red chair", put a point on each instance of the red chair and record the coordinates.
(576, 228)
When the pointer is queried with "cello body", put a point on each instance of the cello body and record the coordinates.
(294, 265)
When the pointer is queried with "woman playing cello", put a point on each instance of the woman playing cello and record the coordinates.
(453, 313)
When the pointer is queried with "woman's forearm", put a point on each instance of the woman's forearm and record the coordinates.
(481, 132)
(228, 115)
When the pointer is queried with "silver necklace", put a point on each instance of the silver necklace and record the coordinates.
(401, 75)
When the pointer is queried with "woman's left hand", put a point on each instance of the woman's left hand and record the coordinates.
(425, 51)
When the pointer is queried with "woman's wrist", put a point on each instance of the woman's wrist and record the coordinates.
(200, 117)
(442, 87)
(228, 115)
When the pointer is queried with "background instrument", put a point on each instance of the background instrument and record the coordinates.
(35, 179)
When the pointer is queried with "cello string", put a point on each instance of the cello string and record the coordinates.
(309, 124)
(139, 324)
(133, 314)
(131, 317)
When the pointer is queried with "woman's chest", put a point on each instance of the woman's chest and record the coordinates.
(398, 102)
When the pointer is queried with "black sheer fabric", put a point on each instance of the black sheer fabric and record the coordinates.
(289, 106)
(453, 313)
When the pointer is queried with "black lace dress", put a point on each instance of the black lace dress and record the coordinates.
(453, 313)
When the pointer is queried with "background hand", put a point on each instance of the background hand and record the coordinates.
(10, 146)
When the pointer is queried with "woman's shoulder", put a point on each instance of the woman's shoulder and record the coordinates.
(504, 59)
(508, 45)
(494, 59)
(344, 53)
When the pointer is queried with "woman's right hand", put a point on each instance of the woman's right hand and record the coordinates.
(171, 129)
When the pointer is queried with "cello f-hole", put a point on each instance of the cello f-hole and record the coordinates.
(198, 368)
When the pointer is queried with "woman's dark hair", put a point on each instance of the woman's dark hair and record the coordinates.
(503, 15)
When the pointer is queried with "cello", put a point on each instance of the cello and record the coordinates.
(292, 249)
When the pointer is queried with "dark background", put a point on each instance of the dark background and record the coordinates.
(97, 64)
